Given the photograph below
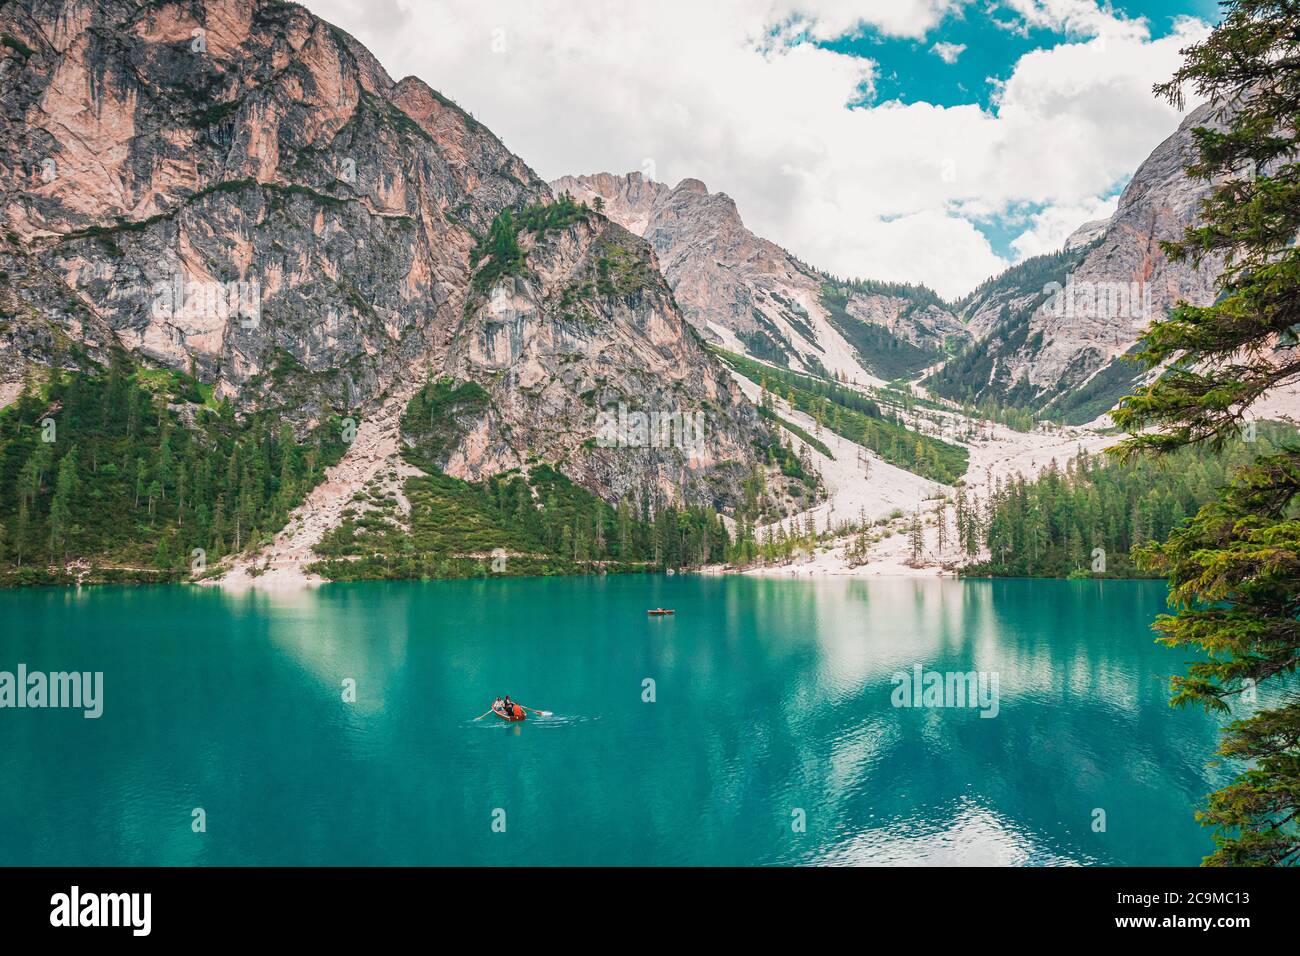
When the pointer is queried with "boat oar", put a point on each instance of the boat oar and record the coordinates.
(540, 713)
(484, 714)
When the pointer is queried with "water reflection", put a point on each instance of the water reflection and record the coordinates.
(770, 696)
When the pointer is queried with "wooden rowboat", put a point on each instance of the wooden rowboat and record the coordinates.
(661, 610)
(519, 713)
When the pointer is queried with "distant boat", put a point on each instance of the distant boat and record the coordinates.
(661, 610)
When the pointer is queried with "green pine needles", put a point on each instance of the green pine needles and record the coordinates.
(1234, 568)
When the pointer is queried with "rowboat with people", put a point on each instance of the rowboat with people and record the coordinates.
(507, 709)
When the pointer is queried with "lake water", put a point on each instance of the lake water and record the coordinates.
(772, 706)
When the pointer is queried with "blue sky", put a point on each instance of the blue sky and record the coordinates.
(965, 59)
(994, 39)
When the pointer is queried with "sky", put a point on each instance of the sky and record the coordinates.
(932, 141)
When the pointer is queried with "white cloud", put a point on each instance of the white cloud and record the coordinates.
(948, 52)
(1080, 18)
(827, 19)
(888, 191)
(1050, 228)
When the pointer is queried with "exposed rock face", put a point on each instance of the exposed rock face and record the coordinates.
(726, 279)
(749, 294)
(927, 326)
(237, 188)
(1012, 293)
(1158, 205)
(1048, 334)
(552, 350)
(1087, 234)
(1060, 351)
(269, 149)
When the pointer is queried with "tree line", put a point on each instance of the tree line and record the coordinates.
(140, 469)
(1086, 518)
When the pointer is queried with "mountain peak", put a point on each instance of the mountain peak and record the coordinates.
(749, 295)
(346, 211)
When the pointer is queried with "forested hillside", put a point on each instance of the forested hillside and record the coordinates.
(1050, 527)
(881, 351)
(532, 520)
(849, 413)
(130, 470)
(1000, 309)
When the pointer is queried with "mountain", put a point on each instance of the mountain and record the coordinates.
(750, 295)
(1049, 334)
(1052, 332)
(237, 193)
(998, 313)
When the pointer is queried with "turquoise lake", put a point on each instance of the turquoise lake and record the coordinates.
(772, 703)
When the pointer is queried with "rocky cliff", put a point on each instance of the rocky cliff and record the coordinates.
(237, 189)
(1049, 334)
(750, 295)
(1052, 331)
(588, 328)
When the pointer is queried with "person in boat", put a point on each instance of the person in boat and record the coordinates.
(499, 706)
(509, 706)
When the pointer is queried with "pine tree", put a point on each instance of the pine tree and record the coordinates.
(598, 535)
(65, 488)
(22, 528)
(624, 529)
(916, 537)
(164, 468)
(941, 524)
(139, 480)
(1234, 570)
(971, 539)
